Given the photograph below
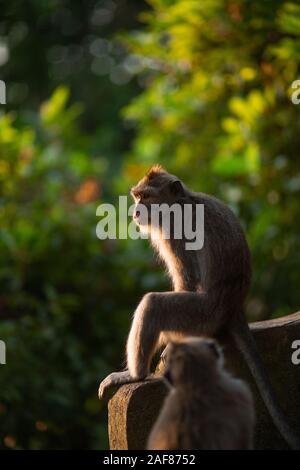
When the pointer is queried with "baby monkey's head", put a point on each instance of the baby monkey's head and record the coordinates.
(155, 188)
(193, 362)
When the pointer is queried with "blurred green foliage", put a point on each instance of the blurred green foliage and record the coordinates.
(60, 316)
(214, 81)
(217, 111)
(66, 298)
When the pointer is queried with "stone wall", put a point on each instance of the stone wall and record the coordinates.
(134, 407)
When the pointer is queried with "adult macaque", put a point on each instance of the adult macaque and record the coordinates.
(210, 287)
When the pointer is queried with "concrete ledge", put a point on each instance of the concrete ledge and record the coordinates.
(134, 407)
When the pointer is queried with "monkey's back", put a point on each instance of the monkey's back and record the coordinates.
(220, 420)
(225, 256)
(223, 421)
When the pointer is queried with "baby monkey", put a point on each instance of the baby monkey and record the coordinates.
(207, 408)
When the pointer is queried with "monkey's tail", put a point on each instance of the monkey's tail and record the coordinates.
(246, 344)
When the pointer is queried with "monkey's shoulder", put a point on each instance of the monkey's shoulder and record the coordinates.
(211, 202)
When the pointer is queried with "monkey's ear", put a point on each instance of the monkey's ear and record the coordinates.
(176, 187)
(134, 192)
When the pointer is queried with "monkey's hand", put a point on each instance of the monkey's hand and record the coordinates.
(116, 378)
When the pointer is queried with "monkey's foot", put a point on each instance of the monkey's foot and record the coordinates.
(116, 378)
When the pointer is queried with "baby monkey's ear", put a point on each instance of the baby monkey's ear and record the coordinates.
(176, 187)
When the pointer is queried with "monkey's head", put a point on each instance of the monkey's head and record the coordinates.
(155, 188)
(193, 361)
